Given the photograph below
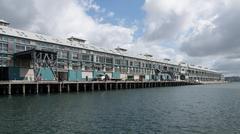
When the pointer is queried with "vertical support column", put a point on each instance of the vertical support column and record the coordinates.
(110, 86)
(23, 89)
(120, 85)
(98, 87)
(60, 88)
(92, 87)
(9, 89)
(85, 87)
(48, 88)
(68, 88)
(117, 86)
(126, 85)
(37, 88)
(77, 87)
(106, 86)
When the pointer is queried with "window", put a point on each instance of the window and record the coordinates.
(64, 54)
(109, 60)
(3, 63)
(86, 57)
(20, 48)
(75, 56)
(131, 63)
(126, 62)
(3, 47)
(117, 61)
(137, 64)
(100, 59)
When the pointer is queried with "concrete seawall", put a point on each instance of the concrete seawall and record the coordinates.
(47, 87)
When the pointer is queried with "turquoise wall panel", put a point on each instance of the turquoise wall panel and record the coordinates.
(96, 73)
(46, 74)
(116, 75)
(74, 75)
(14, 73)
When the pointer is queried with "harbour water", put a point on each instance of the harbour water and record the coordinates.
(186, 109)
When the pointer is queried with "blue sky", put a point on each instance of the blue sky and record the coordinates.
(128, 9)
(126, 13)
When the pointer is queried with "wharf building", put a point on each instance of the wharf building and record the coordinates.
(35, 57)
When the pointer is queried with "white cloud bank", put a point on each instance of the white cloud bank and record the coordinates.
(201, 32)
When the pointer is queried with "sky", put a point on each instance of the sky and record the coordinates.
(204, 32)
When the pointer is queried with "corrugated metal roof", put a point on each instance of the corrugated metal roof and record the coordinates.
(44, 38)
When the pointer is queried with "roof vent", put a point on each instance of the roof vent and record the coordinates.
(4, 23)
(121, 49)
(76, 39)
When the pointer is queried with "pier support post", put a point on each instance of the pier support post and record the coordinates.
(106, 86)
(60, 88)
(120, 85)
(117, 86)
(77, 87)
(110, 86)
(92, 87)
(9, 89)
(99, 87)
(48, 89)
(68, 88)
(85, 88)
(23, 89)
(37, 88)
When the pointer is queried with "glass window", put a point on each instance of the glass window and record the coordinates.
(117, 61)
(86, 57)
(131, 63)
(20, 48)
(126, 62)
(109, 60)
(4, 47)
(75, 56)
(64, 54)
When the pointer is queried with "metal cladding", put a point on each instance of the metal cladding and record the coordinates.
(75, 59)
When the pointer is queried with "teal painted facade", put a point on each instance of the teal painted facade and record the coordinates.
(46, 74)
(74, 75)
(14, 73)
(116, 75)
(96, 73)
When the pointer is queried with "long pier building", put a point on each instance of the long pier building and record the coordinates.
(35, 57)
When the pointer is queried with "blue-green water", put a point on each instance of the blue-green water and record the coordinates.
(188, 109)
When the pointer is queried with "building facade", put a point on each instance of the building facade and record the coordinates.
(31, 56)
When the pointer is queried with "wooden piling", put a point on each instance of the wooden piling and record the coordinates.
(23, 89)
(37, 88)
(48, 88)
(85, 87)
(9, 89)
(68, 88)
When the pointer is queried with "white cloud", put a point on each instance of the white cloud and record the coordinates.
(204, 32)
(66, 18)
